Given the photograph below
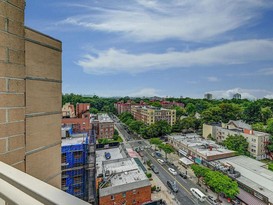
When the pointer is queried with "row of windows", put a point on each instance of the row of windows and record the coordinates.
(123, 195)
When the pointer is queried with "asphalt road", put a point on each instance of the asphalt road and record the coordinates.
(184, 195)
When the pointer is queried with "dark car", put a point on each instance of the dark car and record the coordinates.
(172, 186)
(212, 200)
(183, 175)
(155, 170)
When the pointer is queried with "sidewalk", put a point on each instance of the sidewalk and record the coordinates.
(191, 176)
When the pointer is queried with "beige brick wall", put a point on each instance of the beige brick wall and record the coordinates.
(12, 70)
(45, 164)
(27, 54)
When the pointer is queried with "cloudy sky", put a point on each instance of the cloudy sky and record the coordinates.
(161, 47)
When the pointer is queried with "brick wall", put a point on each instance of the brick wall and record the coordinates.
(132, 197)
(12, 83)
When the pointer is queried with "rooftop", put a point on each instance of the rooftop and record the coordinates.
(126, 175)
(116, 153)
(253, 174)
(200, 145)
(74, 140)
(104, 118)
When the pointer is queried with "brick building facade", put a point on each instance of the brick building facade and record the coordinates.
(30, 96)
(103, 126)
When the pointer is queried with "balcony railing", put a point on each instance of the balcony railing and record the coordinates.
(17, 187)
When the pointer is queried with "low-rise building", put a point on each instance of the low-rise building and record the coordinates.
(197, 148)
(103, 126)
(257, 140)
(82, 108)
(124, 183)
(255, 181)
(77, 124)
(149, 114)
(168, 104)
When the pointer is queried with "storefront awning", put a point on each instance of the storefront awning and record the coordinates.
(185, 161)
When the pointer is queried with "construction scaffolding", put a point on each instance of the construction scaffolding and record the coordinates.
(78, 166)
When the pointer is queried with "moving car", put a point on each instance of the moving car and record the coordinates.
(183, 175)
(172, 186)
(160, 161)
(198, 194)
(172, 171)
(212, 200)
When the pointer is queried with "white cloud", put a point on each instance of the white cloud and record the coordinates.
(266, 71)
(152, 20)
(269, 96)
(114, 60)
(213, 79)
(245, 93)
(147, 92)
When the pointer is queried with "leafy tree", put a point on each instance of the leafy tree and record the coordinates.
(190, 109)
(156, 141)
(212, 114)
(199, 171)
(259, 126)
(237, 143)
(230, 111)
(93, 110)
(270, 126)
(221, 183)
(155, 104)
(266, 113)
(166, 148)
(179, 111)
(252, 113)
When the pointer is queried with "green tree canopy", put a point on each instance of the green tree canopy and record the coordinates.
(166, 148)
(237, 143)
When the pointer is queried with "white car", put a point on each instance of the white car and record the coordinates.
(172, 171)
(160, 161)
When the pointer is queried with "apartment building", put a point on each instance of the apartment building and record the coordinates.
(122, 107)
(150, 115)
(103, 126)
(168, 104)
(68, 110)
(82, 108)
(257, 140)
(124, 183)
(30, 96)
(208, 96)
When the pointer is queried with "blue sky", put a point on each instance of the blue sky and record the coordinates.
(161, 47)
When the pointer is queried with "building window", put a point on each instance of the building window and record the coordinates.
(124, 194)
(134, 191)
(63, 158)
(77, 155)
(112, 197)
(134, 201)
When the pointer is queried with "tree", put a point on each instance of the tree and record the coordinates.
(155, 141)
(155, 104)
(166, 148)
(199, 171)
(190, 109)
(221, 183)
(266, 113)
(269, 128)
(93, 110)
(252, 113)
(212, 114)
(237, 143)
(230, 111)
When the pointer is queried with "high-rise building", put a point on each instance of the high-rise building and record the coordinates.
(30, 96)
(237, 96)
(208, 96)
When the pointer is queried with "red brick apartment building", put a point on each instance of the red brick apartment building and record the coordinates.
(82, 108)
(125, 183)
(122, 107)
(103, 126)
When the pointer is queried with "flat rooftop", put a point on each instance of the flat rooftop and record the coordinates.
(115, 154)
(253, 174)
(104, 118)
(200, 145)
(126, 175)
(74, 140)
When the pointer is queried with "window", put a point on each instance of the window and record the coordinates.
(63, 158)
(124, 194)
(112, 197)
(134, 191)
(77, 155)
(134, 201)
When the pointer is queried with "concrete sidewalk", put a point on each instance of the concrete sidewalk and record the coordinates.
(191, 176)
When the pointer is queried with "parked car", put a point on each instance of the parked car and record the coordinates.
(172, 171)
(172, 186)
(155, 170)
(236, 202)
(141, 154)
(183, 175)
(160, 161)
(212, 200)
(198, 194)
